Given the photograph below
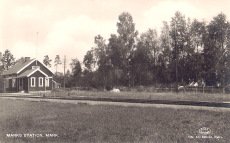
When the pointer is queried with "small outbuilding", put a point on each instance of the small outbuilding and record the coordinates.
(56, 84)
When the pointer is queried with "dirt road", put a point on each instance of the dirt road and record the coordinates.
(90, 102)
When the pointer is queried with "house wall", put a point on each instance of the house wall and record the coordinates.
(37, 88)
(42, 68)
(22, 84)
(10, 87)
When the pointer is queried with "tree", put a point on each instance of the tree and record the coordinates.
(68, 74)
(1, 59)
(148, 46)
(47, 61)
(89, 60)
(166, 46)
(142, 65)
(178, 32)
(69, 79)
(186, 49)
(57, 62)
(102, 54)
(217, 48)
(196, 59)
(150, 40)
(198, 31)
(122, 46)
(8, 59)
(76, 70)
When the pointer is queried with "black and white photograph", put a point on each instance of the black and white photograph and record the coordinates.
(114, 71)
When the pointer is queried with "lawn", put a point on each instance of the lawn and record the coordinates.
(189, 96)
(106, 123)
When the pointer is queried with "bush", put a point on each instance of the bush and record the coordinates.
(108, 88)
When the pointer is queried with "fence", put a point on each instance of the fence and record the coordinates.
(207, 89)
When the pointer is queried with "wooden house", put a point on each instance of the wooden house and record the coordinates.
(29, 75)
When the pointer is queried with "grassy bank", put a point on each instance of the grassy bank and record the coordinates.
(148, 95)
(104, 123)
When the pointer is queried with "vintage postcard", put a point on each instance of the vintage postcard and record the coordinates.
(114, 71)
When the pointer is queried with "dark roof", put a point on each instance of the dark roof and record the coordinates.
(26, 73)
(17, 67)
(29, 72)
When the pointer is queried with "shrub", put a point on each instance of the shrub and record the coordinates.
(108, 88)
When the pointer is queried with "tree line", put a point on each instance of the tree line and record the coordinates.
(199, 49)
(195, 50)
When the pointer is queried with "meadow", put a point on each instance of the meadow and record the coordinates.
(108, 123)
(181, 96)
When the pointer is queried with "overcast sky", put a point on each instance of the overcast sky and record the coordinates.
(68, 27)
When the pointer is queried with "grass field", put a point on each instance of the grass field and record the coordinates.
(191, 96)
(105, 123)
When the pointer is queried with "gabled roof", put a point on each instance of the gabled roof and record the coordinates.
(30, 72)
(18, 67)
(45, 66)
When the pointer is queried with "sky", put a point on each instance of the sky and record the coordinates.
(68, 27)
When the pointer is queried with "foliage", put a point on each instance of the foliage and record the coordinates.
(8, 59)
(122, 46)
(149, 59)
(57, 62)
(47, 61)
(76, 71)
(89, 60)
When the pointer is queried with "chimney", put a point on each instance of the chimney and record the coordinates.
(27, 59)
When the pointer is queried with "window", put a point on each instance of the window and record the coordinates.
(35, 67)
(40, 81)
(47, 82)
(33, 81)
(13, 82)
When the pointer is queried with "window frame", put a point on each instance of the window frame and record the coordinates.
(35, 67)
(40, 84)
(47, 82)
(31, 81)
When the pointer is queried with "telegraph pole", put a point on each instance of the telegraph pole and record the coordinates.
(64, 70)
